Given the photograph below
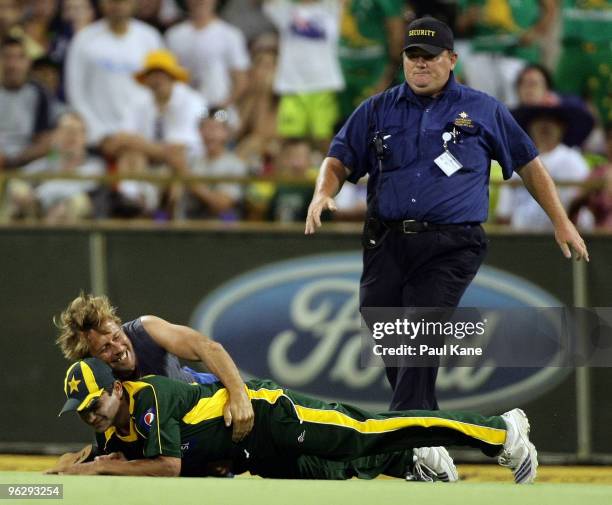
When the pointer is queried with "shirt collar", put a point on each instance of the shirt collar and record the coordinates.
(450, 89)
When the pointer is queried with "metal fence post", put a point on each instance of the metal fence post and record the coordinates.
(98, 263)
(583, 373)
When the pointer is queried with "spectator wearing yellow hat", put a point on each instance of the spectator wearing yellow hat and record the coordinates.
(161, 129)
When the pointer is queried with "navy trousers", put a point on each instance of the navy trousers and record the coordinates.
(427, 269)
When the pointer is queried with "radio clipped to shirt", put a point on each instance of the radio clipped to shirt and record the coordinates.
(446, 161)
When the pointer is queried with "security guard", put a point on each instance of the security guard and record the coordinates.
(174, 428)
(427, 147)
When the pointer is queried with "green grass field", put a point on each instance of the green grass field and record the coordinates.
(255, 491)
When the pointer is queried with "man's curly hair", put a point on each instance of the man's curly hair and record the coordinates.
(84, 313)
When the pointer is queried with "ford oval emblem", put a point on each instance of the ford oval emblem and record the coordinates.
(298, 323)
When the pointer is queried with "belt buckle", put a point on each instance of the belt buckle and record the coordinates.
(404, 224)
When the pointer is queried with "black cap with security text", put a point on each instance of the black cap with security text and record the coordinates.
(86, 380)
(429, 34)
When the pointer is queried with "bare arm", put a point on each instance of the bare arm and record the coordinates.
(161, 466)
(541, 186)
(395, 42)
(115, 144)
(331, 177)
(186, 343)
(240, 83)
(217, 201)
(37, 149)
(548, 14)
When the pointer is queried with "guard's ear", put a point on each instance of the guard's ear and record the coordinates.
(118, 388)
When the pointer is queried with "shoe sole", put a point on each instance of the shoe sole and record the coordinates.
(527, 471)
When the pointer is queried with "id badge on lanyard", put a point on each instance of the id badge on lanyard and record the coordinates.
(446, 161)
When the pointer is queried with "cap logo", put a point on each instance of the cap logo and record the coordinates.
(74, 385)
(85, 380)
(426, 33)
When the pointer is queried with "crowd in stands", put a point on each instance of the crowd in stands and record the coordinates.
(257, 88)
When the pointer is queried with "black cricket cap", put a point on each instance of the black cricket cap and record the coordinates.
(86, 380)
(429, 34)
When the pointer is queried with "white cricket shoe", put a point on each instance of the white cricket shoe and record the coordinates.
(432, 464)
(519, 453)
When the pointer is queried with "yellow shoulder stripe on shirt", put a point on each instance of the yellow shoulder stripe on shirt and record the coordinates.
(131, 388)
(212, 406)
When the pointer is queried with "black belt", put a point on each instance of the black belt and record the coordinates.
(412, 226)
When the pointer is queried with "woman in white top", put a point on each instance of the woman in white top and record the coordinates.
(551, 127)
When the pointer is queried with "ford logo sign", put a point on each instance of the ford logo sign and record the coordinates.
(298, 323)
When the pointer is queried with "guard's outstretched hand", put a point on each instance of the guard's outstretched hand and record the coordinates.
(315, 209)
(570, 241)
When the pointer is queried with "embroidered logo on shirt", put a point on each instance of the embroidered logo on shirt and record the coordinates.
(463, 119)
(301, 437)
(149, 417)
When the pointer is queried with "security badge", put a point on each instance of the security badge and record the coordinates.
(446, 161)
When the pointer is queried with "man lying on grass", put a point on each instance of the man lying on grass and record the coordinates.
(161, 427)
(148, 345)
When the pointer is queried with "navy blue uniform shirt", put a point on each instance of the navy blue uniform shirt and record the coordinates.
(412, 185)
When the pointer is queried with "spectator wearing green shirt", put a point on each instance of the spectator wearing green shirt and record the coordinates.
(585, 66)
(504, 37)
(371, 41)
